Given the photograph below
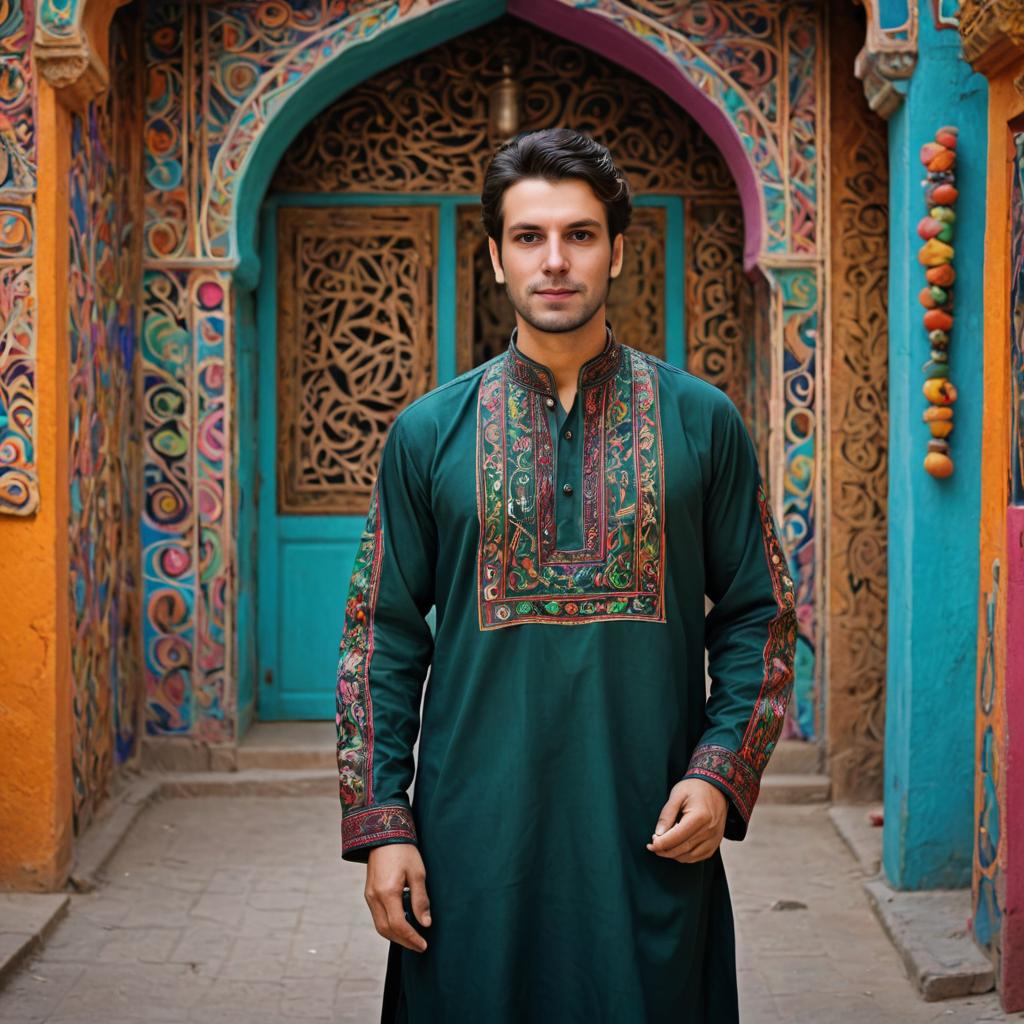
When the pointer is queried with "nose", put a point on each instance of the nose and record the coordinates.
(555, 261)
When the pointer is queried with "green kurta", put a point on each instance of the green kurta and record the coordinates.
(567, 555)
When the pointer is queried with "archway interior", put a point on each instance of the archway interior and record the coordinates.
(419, 131)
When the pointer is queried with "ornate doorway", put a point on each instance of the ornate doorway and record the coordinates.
(377, 286)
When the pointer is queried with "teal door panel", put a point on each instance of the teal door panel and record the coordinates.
(304, 561)
(311, 614)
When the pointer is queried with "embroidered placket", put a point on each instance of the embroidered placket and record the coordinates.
(568, 470)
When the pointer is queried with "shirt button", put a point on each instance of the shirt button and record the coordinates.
(568, 435)
(549, 402)
(567, 488)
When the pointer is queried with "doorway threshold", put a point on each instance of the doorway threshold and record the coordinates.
(288, 745)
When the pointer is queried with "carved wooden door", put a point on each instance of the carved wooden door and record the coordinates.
(376, 302)
(355, 342)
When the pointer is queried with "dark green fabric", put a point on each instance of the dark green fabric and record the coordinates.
(546, 750)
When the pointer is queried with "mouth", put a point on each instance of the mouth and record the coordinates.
(557, 293)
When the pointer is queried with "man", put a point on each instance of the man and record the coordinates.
(564, 508)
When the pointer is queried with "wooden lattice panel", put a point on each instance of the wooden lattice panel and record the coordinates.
(355, 345)
(719, 300)
(485, 316)
(636, 301)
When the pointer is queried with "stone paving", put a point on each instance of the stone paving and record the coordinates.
(238, 910)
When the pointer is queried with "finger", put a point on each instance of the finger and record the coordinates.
(419, 899)
(712, 833)
(399, 930)
(682, 849)
(668, 815)
(701, 852)
(690, 825)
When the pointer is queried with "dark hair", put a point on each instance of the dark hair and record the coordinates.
(555, 154)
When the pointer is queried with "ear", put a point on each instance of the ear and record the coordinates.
(618, 253)
(492, 246)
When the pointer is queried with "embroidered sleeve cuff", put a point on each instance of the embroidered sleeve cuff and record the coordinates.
(728, 772)
(366, 827)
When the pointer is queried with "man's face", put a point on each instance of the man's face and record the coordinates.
(556, 257)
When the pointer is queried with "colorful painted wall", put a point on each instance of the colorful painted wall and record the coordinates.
(104, 464)
(35, 798)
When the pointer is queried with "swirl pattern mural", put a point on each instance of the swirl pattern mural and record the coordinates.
(19, 489)
(798, 309)
(104, 442)
(186, 513)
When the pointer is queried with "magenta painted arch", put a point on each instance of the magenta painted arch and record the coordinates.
(609, 40)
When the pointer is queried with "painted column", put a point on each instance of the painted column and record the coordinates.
(54, 60)
(35, 673)
(933, 524)
(994, 44)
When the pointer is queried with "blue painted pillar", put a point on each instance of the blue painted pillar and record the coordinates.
(933, 524)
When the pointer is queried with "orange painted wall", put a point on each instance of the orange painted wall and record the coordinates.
(35, 694)
(1005, 104)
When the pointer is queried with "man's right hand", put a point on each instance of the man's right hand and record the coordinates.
(389, 870)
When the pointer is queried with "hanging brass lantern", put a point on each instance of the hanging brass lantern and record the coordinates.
(503, 120)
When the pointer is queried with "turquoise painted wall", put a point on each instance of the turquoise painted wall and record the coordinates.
(933, 524)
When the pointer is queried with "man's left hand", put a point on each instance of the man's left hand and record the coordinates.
(699, 833)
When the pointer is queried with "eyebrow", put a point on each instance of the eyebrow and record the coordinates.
(569, 227)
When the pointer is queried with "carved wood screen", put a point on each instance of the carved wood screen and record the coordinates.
(355, 345)
(421, 126)
(857, 455)
(636, 301)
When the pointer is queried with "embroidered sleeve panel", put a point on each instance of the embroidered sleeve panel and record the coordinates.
(618, 572)
(363, 829)
(354, 707)
(765, 723)
(739, 772)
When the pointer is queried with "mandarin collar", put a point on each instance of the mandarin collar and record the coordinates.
(537, 377)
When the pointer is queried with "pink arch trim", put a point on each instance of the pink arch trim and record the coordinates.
(605, 38)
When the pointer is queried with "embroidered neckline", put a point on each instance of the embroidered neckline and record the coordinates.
(537, 377)
(617, 571)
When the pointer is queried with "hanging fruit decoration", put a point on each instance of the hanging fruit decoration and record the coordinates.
(936, 256)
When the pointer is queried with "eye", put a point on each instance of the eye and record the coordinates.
(585, 234)
(526, 236)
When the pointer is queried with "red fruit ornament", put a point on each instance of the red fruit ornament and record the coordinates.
(938, 320)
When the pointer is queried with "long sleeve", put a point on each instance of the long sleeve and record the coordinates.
(385, 652)
(751, 631)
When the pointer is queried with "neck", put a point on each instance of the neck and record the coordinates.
(563, 354)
